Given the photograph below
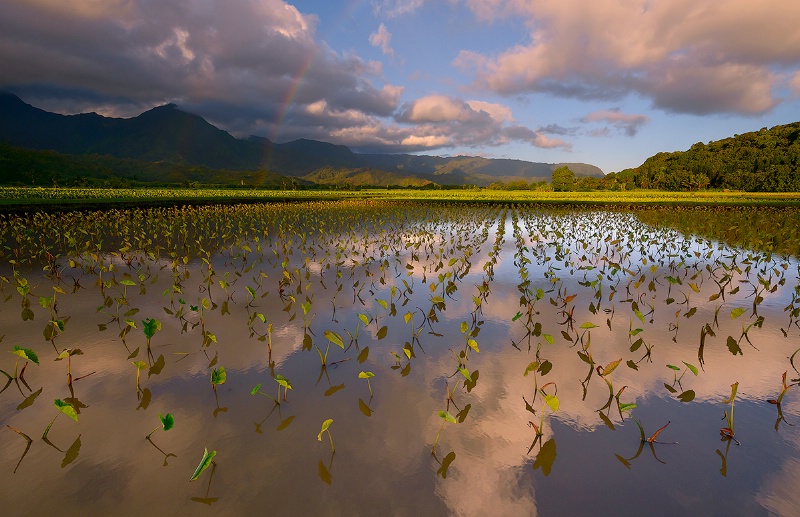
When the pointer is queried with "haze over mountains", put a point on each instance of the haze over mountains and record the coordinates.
(168, 134)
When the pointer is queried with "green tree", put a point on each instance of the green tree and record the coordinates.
(563, 179)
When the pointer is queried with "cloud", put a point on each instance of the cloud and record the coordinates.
(628, 124)
(688, 56)
(382, 39)
(246, 64)
(395, 8)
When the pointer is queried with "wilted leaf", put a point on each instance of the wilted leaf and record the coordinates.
(204, 463)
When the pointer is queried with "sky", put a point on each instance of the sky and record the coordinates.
(606, 82)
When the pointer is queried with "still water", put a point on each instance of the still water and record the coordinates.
(503, 342)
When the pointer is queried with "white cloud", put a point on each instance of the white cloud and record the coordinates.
(383, 40)
(394, 8)
(695, 56)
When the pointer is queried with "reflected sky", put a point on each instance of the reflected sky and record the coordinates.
(593, 279)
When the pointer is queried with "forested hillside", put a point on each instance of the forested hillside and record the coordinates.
(762, 161)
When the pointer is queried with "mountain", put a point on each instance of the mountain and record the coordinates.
(168, 134)
(767, 160)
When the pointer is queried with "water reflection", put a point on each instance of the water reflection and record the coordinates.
(517, 345)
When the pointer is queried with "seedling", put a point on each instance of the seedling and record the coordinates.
(67, 354)
(167, 422)
(140, 365)
(208, 459)
(334, 338)
(24, 353)
(150, 326)
(63, 407)
(727, 433)
(326, 429)
(218, 377)
(367, 375)
(283, 382)
(446, 417)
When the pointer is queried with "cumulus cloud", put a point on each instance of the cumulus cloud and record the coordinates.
(690, 56)
(247, 65)
(628, 124)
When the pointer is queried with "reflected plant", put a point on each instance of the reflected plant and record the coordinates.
(687, 395)
(550, 401)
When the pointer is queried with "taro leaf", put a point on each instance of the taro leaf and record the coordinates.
(333, 389)
(128, 282)
(334, 338)
(283, 381)
(407, 317)
(69, 352)
(362, 356)
(692, 368)
(365, 375)
(639, 315)
(25, 353)
(734, 389)
(465, 373)
(381, 333)
(733, 346)
(140, 365)
(632, 365)
(255, 389)
(738, 311)
(548, 338)
(546, 457)
(588, 325)
(364, 319)
(686, 396)
(545, 367)
(325, 425)
(610, 367)
(66, 408)
(670, 388)
(447, 416)
(464, 327)
(167, 421)
(150, 326)
(552, 401)
(534, 366)
(204, 463)
(473, 344)
(407, 351)
(218, 376)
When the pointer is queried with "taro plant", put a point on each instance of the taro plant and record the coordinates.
(218, 377)
(140, 365)
(446, 417)
(727, 433)
(67, 354)
(63, 407)
(326, 428)
(167, 423)
(150, 326)
(24, 353)
(205, 461)
(367, 375)
(334, 338)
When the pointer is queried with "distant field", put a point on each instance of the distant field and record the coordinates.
(19, 197)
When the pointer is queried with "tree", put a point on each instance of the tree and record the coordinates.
(563, 179)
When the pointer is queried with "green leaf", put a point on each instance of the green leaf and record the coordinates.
(334, 338)
(692, 368)
(734, 389)
(127, 282)
(610, 367)
(588, 325)
(534, 366)
(66, 408)
(204, 463)
(283, 381)
(25, 353)
(686, 396)
(447, 416)
(464, 327)
(140, 365)
(465, 373)
(364, 319)
(383, 303)
(673, 367)
(167, 421)
(552, 401)
(548, 338)
(255, 389)
(218, 376)
(738, 311)
(407, 317)
(325, 425)
(365, 375)
(473, 344)
(150, 326)
(517, 316)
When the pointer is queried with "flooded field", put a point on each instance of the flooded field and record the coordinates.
(362, 358)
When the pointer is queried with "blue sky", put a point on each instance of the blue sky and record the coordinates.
(607, 82)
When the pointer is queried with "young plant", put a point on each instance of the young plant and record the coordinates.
(334, 338)
(446, 417)
(283, 382)
(140, 365)
(67, 354)
(208, 459)
(367, 375)
(150, 326)
(63, 407)
(326, 429)
(727, 433)
(24, 353)
(167, 423)
(218, 377)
